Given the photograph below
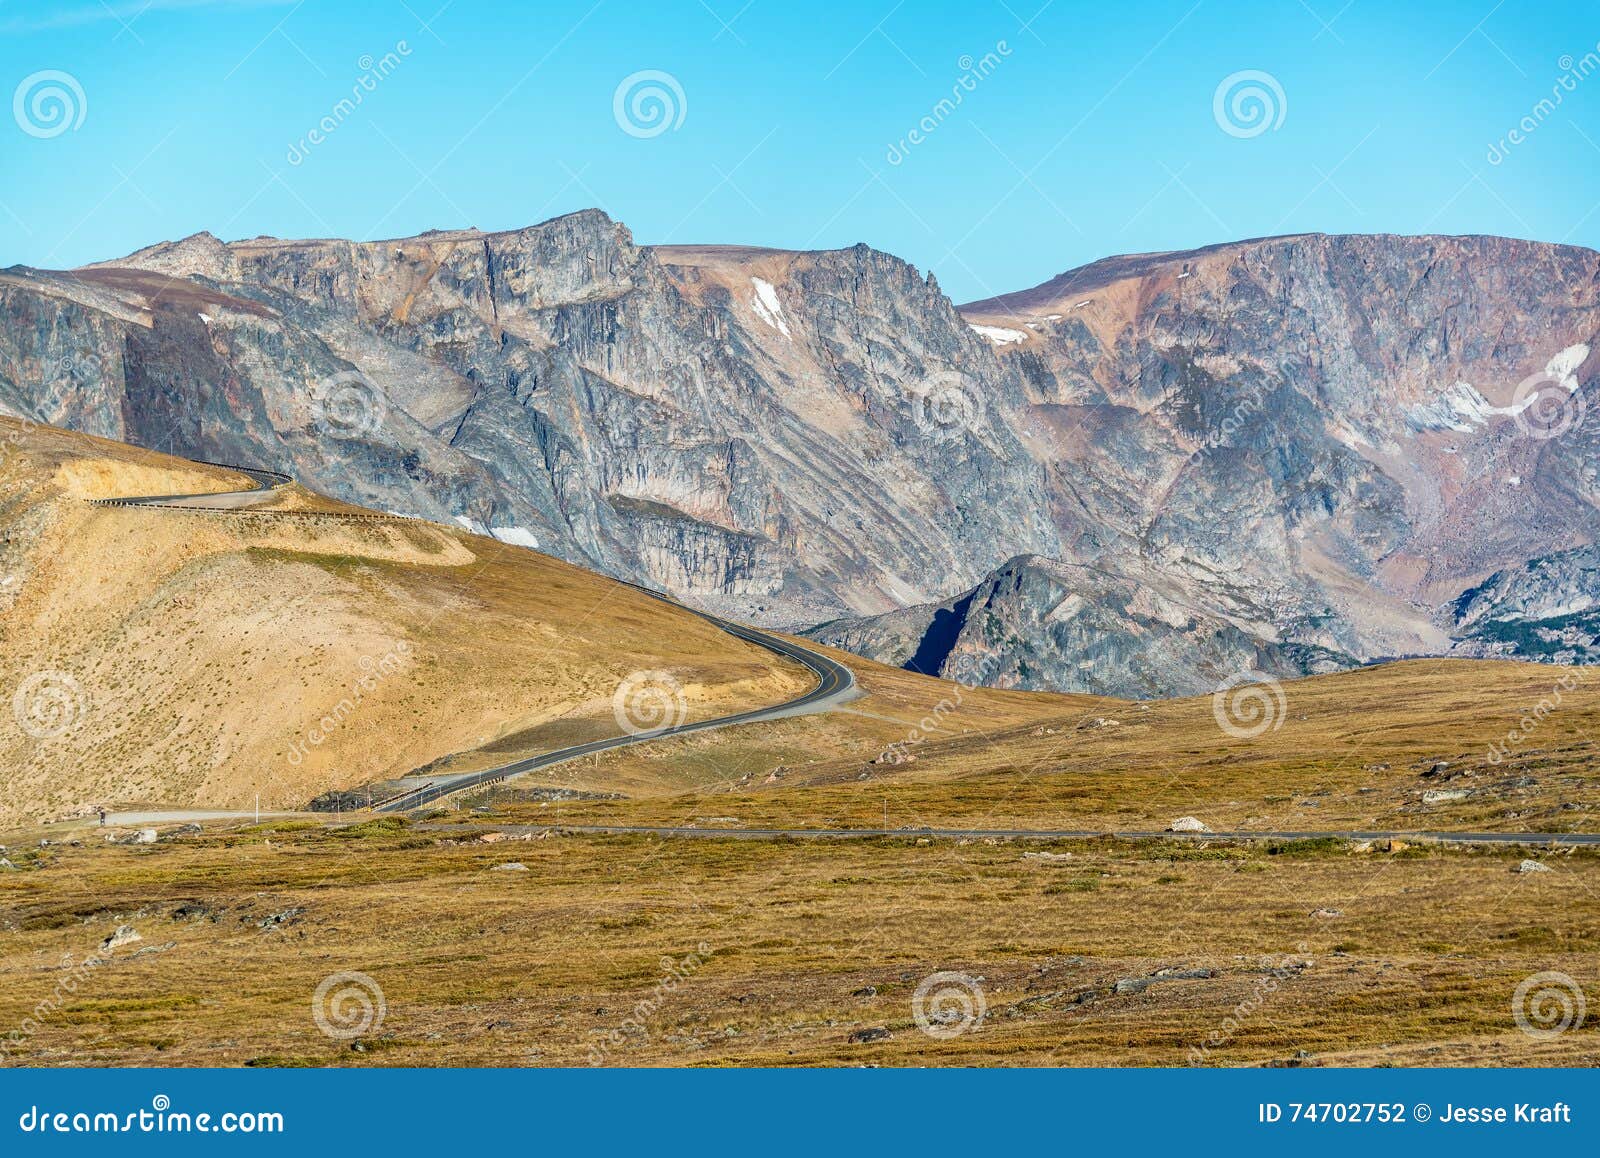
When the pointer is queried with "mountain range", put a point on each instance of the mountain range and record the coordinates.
(1142, 478)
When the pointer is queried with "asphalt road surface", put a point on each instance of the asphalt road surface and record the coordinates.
(266, 481)
(836, 684)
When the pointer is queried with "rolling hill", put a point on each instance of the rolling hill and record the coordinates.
(202, 657)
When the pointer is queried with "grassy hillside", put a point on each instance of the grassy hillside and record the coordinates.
(177, 658)
(1425, 744)
(182, 658)
(635, 951)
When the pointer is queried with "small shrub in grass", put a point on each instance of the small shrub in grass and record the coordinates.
(1178, 854)
(1314, 846)
(376, 827)
(1533, 937)
(1076, 885)
(275, 1062)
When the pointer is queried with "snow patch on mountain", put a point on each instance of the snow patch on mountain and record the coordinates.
(1564, 366)
(768, 308)
(516, 536)
(999, 335)
(1461, 408)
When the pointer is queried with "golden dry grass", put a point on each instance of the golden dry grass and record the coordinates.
(206, 641)
(776, 953)
(193, 651)
(1354, 750)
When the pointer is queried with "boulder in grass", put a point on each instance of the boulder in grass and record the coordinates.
(125, 935)
(1533, 866)
(513, 866)
(1188, 824)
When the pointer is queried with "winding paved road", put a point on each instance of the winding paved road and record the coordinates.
(836, 683)
(266, 482)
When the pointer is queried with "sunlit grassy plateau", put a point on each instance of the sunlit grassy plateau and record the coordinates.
(648, 950)
(717, 950)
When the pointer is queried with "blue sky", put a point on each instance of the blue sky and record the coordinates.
(1093, 129)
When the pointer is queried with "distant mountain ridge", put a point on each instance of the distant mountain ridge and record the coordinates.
(1289, 452)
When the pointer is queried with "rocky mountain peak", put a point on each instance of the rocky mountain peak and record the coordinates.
(1290, 452)
(200, 254)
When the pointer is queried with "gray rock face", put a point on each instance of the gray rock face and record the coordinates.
(741, 426)
(1278, 455)
(1042, 625)
(1547, 608)
(1320, 440)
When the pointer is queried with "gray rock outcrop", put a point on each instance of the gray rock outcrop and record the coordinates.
(1141, 477)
